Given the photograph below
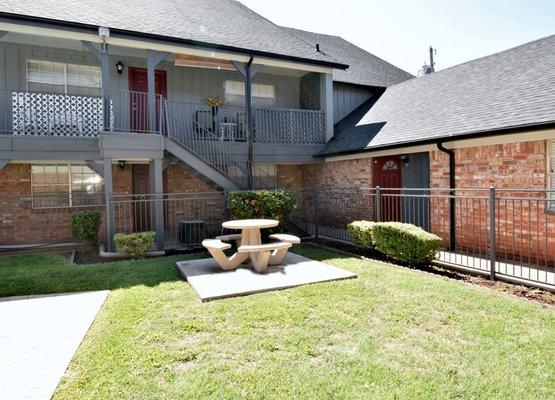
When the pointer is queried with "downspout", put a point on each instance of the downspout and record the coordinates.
(250, 122)
(452, 222)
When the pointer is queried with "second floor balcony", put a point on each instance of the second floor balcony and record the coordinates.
(41, 113)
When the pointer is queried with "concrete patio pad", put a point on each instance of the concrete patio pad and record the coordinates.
(38, 338)
(211, 283)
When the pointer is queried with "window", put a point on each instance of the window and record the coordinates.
(64, 185)
(265, 176)
(63, 78)
(262, 95)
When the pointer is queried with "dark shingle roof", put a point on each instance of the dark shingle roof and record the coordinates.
(511, 89)
(222, 22)
(364, 68)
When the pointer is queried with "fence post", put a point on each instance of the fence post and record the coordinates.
(315, 212)
(378, 204)
(492, 232)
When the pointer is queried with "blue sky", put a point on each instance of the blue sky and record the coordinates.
(400, 31)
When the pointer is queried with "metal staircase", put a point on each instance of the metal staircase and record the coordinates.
(207, 153)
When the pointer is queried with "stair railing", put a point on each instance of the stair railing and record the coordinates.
(217, 153)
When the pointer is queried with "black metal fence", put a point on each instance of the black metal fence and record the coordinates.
(43, 219)
(500, 233)
(188, 217)
(507, 234)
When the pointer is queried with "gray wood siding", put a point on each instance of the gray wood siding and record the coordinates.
(416, 174)
(191, 85)
(348, 97)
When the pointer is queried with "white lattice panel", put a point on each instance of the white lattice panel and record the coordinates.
(52, 114)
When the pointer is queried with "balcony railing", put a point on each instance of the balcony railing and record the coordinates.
(271, 125)
(82, 116)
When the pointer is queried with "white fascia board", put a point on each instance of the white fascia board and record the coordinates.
(150, 44)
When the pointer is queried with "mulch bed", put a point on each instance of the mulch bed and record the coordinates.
(88, 257)
(529, 293)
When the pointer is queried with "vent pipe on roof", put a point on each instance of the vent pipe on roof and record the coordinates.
(318, 47)
(428, 69)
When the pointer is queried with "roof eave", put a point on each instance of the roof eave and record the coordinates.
(189, 42)
(449, 138)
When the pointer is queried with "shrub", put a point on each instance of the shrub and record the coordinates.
(271, 204)
(361, 233)
(135, 245)
(405, 242)
(84, 227)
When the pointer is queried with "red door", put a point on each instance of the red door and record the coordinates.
(388, 175)
(138, 98)
(141, 204)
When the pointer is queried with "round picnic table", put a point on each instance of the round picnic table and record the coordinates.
(250, 229)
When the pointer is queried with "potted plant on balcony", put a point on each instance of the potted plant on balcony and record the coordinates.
(214, 104)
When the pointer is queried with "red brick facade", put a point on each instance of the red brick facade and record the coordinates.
(525, 229)
(181, 179)
(505, 166)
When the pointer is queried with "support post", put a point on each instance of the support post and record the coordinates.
(248, 71)
(326, 103)
(153, 59)
(315, 211)
(378, 204)
(492, 234)
(104, 58)
(250, 120)
(108, 192)
(157, 191)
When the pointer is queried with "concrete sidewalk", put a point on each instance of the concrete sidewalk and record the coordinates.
(38, 337)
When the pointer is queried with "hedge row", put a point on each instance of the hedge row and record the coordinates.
(402, 242)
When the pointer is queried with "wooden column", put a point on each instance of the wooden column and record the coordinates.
(157, 211)
(153, 59)
(104, 59)
(248, 71)
(108, 192)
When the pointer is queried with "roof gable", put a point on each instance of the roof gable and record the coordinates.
(513, 88)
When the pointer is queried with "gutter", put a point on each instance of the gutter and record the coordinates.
(452, 184)
(189, 42)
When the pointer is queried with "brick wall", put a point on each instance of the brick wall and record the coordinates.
(179, 178)
(289, 176)
(340, 199)
(20, 222)
(525, 230)
(122, 181)
(338, 174)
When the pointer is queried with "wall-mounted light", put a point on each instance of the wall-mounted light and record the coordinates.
(119, 67)
(104, 34)
(121, 164)
(405, 160)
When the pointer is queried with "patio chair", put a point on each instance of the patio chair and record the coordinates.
(242, 127)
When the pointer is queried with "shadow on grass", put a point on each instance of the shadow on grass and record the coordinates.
(48, 273)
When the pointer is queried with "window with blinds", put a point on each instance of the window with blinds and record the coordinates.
(64, 185)
(262, 95)
(60, 77)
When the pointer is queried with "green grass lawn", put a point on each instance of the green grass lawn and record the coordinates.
(391, 333)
